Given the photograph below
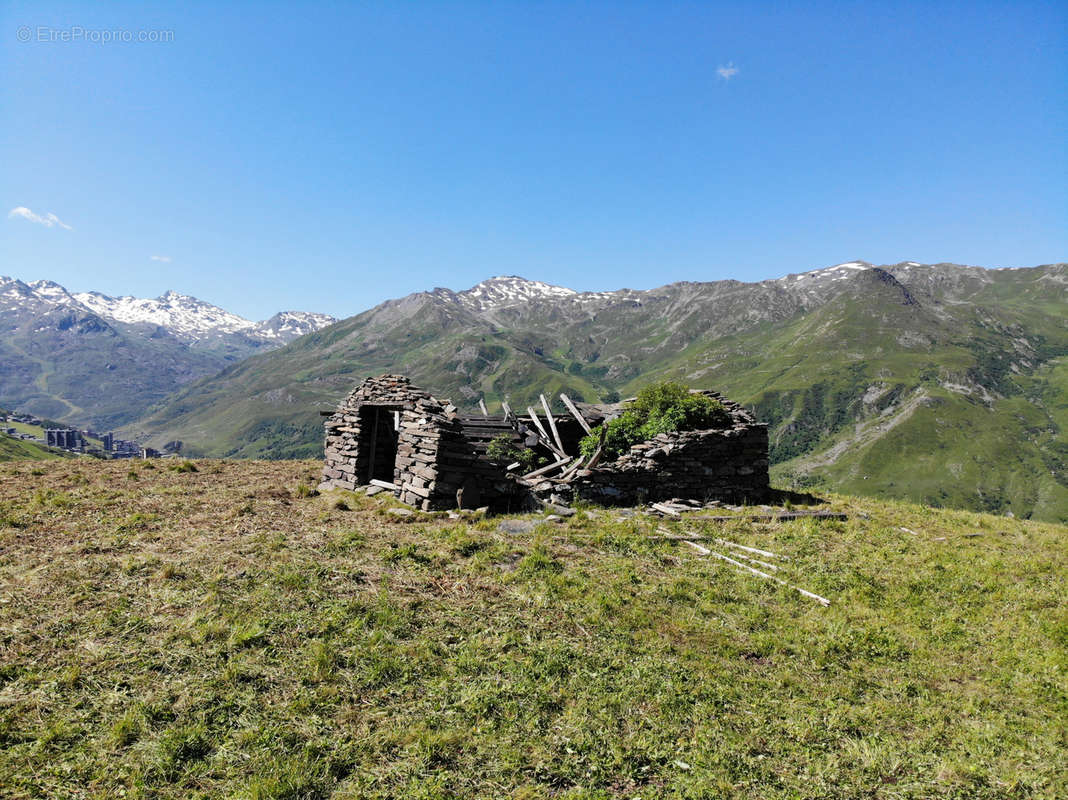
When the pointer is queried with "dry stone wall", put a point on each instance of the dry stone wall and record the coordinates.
(730, 464)
(347, 446)
(435, 464)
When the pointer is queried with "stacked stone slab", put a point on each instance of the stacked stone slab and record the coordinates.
(729, 463)
(437, 455)
(422, 418)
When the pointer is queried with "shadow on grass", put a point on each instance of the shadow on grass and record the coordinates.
(781, 497)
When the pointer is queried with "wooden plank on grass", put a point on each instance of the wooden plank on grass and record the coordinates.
(383, 484)
(754, 550)
(805, 592)
(765, 564)
(691, 537)
(786, 516)
(663, 509)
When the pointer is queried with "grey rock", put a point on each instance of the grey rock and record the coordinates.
(563, 511)
(518, 525)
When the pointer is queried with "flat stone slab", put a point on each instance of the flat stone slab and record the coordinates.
(518, 525)
(399, 512)
(563, 511)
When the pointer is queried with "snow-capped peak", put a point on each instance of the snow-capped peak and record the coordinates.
(182, 316)
(505, 290)
(179, 313)
(50, 290)
(835, 272)
(291, 324)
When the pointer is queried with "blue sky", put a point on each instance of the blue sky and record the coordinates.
(328, 156)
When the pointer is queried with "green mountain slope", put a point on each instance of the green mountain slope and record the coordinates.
(73, 365)
(12, 449)
(938, 383)
(90, 359)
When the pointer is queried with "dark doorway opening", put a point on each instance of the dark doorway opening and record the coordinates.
(378, 443)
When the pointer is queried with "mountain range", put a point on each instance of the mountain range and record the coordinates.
(91, 359)
(941, 383)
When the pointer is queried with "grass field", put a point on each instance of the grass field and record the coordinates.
(12, 449)
(219, 631)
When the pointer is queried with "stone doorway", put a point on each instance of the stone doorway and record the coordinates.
(378, 443)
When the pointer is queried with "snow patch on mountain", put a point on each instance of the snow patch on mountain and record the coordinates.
(506, 290)
(289, 325)
(50, 290)
(181, 314)
(819, 278)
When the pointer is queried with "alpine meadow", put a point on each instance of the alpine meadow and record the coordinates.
(534, 401)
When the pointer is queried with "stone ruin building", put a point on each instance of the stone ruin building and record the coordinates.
(392, 434)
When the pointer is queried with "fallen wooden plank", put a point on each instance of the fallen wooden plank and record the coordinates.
(546, 468)
(573, 467)
(575, 413)
(545, 440)
(552, 422)
(756, 550)
(692, 537)
(805, 592)
(702, 550)
(772, 567)
(537, 422)
(383, 484)
(594, 459)
(663, 509)
(786, 516)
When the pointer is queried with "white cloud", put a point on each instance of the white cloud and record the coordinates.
(164, 259)
(728, 71)
(49, 220)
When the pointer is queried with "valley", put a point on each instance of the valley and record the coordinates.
(94, 360)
